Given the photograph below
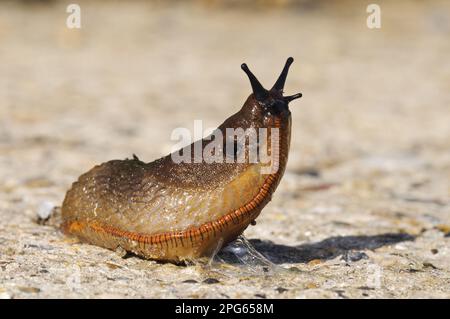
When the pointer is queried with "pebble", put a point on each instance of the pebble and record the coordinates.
(44, 210)
(352, 256)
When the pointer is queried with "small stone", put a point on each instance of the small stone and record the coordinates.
(191, 281)
(262, 296)
(352, 256)
(44, 211)
(434, 251)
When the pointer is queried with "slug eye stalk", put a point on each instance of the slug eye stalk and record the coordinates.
(261, 94)
(259, 91)
(290, 98)
(279, 84)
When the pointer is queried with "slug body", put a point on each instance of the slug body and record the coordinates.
(180, 211)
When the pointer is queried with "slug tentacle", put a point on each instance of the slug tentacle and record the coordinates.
(279, 84)
(259, 91)
(292, 97)
(173, 211)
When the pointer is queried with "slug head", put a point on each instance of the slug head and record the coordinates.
(271, 102)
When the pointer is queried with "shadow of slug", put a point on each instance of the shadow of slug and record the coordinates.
(326, 249)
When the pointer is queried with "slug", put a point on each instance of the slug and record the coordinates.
(170, 211)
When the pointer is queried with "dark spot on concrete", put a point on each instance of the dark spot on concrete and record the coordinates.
(366, 288)
(413, 270)
(281, 290)
(429, 265)
(211, 281)
(308, 171)
(340, 293)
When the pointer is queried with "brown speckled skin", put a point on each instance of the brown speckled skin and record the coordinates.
(174, 212)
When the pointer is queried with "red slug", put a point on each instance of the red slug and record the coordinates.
(171, 211)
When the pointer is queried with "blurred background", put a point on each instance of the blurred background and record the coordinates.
(371, 135)
(136, 70)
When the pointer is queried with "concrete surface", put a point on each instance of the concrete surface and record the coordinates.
(364, 208)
